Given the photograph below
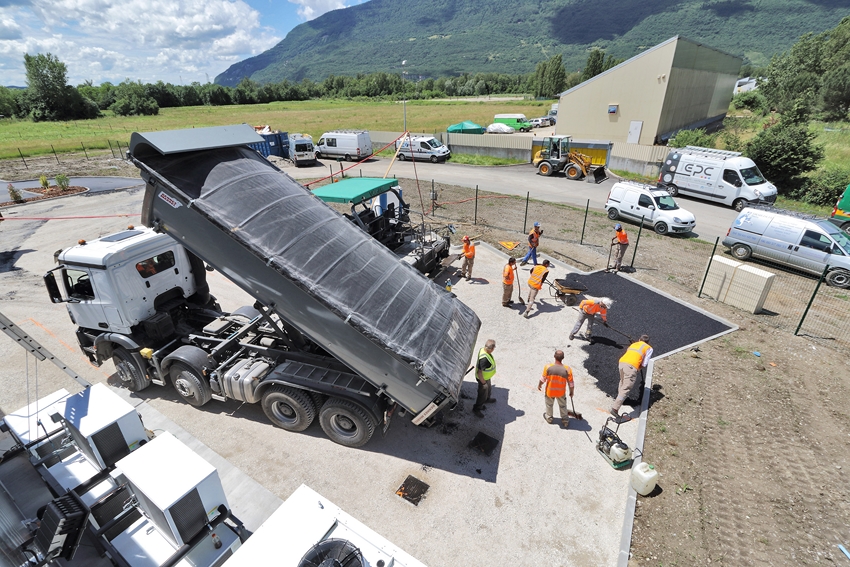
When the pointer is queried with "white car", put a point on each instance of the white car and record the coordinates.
(541, 122)
(499, 128)
(635, 202)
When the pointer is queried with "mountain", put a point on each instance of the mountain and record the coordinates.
(450, 37)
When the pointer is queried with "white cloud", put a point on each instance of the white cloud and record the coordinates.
(310, 9)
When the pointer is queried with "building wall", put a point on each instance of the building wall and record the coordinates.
(637, 87)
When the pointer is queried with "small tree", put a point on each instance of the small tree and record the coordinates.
(753, 101)
(44, 182)
(14, 194)
(836, 92)
(784, 152)
(825, 186)
(62, 181)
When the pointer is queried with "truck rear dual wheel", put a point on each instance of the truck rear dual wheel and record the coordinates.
(189, 384)
(288, 408)
(346, 423)
(132, 377)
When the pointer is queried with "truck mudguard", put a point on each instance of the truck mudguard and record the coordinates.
(323, 275)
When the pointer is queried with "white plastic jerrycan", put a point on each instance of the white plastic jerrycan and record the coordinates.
(644, 478)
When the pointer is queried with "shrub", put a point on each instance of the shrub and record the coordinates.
(753, 101)
(784, 152)
(45, 183)
(696, 137)
(825, 186)
(14, 194)
(62, 181)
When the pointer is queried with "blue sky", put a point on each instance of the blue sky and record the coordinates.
(176, 41)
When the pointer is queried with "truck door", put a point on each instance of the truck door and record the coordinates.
(812, 251)
(728, 187)
(645, 208)
(85, 307)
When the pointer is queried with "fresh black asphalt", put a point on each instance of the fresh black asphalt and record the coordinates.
(637, 310)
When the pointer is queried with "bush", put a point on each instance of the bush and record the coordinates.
(824, 187)
(753, 101)
(44, 181)
(784, 152)
(62, 181)
(696, 137)
(14, 194)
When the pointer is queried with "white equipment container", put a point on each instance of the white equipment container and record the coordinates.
(644, 478)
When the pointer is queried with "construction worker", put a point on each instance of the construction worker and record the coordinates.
(621, 241)
(508, 282)
(533, 242)
(535, 284)
(557, 376)
(636, 357)
(485, 368)
(468, 258)
(588, 310)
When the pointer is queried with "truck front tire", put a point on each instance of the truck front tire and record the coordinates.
(573, 172)
(838, 278)
(132, 377)
(190, 385)
(289, 408)
(739, 204)
(346, 423)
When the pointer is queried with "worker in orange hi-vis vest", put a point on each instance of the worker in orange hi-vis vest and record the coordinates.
(468, 258)
(621, 241)
(535, 284)
(588, 310)
(508, 282)
(636, 357)
(533, 242)
(557, 377)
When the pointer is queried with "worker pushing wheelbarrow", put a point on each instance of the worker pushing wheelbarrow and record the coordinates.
(567, 289)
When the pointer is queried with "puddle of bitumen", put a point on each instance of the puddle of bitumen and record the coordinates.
(637, 310)
(413, 490)
(484, 443)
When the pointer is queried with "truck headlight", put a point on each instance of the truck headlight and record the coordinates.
(677, 219)
(757, 192)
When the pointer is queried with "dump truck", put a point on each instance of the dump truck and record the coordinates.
(341, 328)
(557, 155)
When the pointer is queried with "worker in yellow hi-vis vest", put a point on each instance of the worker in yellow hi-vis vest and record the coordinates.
(635, 358)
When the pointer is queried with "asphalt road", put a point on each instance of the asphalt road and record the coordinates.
(712, 219)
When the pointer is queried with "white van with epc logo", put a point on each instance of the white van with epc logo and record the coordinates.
(422, 148)
(805, 243)
(346, 144)
(636, 202)
(715, 175)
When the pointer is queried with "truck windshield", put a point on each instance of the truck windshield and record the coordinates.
(666, 203)
(752, 176)
(306, 147)
(842, 240)
(434, 143)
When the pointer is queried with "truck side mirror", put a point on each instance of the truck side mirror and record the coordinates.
(52, 288)
(738, 183)
(652, 207)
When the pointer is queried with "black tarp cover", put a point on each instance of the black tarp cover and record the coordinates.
(340, 265)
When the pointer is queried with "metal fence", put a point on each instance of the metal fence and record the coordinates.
(581, 237)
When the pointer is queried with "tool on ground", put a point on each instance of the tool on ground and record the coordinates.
(611, 447)
(574, 413)
(518, 288)
(620, 332)
(566, 290)
(608, 263)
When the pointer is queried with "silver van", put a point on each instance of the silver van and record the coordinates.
(802, 242)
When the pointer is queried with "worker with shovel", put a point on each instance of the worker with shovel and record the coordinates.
(635, 358)
(588, 310)
(535, 284)
(556, 376)
(508, 282)
(621, 241)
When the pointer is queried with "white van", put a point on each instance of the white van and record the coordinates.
(348, 144)
(301, 150)
(803, 242)
(715, 175)
(421, 148)
(633, 201)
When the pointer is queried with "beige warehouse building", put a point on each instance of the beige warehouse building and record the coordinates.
(675, 85)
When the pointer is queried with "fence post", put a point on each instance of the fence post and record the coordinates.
(84, 150)
(54, 154)
(637, 241)
(525, 220)
(332, 172)
(110, 147)
(22, 158)
(811, 299)
(710, 259)
(475, 220)
(587, 208)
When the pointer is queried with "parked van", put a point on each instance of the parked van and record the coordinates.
(422, 148)
(841, 212)
(634, 201)
(798, 241)
(348, 144)
(715, 175)
(515, 121)
(301, 150)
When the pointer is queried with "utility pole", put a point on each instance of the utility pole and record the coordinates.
(404, 92)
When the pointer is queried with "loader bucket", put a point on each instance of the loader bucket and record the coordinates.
(599, 175)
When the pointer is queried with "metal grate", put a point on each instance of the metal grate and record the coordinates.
(111, 445)
(189, 515)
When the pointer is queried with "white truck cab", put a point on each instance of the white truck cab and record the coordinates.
(422, 148)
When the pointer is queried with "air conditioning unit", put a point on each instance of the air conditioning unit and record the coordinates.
(104, 427)
(178, 490)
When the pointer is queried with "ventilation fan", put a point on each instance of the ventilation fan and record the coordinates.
(333, 553)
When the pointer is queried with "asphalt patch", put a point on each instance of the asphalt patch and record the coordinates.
(413, 490)
(484, 443)
(637, 310)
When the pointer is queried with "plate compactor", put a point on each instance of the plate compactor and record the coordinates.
(610, 446)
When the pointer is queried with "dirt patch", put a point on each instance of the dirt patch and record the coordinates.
(93, 164)
(49, 193)
(751, 448)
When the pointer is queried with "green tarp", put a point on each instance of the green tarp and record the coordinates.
(466, 127)
(354, 189)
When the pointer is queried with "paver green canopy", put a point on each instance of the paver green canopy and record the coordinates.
(354, 189)
(466, 127)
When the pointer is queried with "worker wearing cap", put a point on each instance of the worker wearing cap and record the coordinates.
(535, 284)
(468, 258)
(557, 377)
(533, 241)
(485, 369)
(621, 241)
(588, 310)
(508, 282)
(636, 357)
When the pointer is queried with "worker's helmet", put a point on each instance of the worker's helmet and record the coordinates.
(606, 302)
(465, 239)
(537, 224)
(618, 226)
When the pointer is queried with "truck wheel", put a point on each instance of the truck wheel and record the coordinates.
(289, 408)
(838, 278)
(739, 204)
(434, 159)
(545, 169)
(741, 252)
(190, 385)
(346, 423)
(846, 227)
(318, 155)
(673, 190)
(347, 157)
(660, 228)
(573, 172)
(132, 377)
(613, 213)
(401, 157)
